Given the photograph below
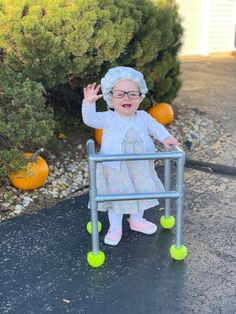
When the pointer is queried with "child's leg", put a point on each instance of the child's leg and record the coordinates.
(114, 234)
(138, 223)
(136, 216)
(115, 219)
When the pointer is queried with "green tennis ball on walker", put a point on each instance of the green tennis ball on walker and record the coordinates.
(180, 253)
(96, 260)
(167, 223)
(89, 227)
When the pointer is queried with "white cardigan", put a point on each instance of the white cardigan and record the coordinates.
(114, 129)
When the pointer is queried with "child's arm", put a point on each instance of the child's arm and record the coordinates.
(159, 132)
(90, 116)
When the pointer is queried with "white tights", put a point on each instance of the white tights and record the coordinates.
(115, 219)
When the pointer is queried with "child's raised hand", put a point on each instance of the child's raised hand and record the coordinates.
(169, 141)
(91, 93)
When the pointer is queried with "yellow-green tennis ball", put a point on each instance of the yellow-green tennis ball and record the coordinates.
(167, 223)
(89, 227)
(178, 253)
(96, 260)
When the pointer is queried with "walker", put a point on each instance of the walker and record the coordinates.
(178, 251)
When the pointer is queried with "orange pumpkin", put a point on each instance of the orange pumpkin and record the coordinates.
(35, 174)
(98, 136)
(162, 112)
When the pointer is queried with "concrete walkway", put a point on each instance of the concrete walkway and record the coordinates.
(43, 256)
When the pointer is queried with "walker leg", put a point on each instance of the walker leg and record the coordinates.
(179, 251)
(167, 221)
(95, 257)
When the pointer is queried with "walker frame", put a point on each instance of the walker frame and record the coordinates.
(178, 251)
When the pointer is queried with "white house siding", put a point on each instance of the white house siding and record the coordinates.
(190, 12)
(209, 26)
(222, 26)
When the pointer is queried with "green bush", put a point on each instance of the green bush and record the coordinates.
(24, 120)
(45, 40)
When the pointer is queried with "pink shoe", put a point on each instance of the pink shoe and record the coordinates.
(142, 226)
(113, 236)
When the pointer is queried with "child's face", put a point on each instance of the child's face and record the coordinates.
(125, 105)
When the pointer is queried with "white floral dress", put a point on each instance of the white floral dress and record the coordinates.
(138, 176)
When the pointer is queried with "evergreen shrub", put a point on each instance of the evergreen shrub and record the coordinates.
(46, 40)
(24, 120)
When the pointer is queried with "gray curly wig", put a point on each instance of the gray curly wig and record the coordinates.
(118, 74)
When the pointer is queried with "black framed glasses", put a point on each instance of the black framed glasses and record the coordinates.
(120, 94)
